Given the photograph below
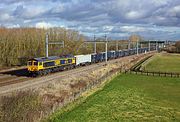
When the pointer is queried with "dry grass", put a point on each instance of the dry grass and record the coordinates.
(21, 107)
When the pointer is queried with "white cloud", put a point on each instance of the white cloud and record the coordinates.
(33, 12)
(132, 29)
(134, 15)
(58, 9)
(174, 11)
(160, 2)
(108, 28)
(14, 26)
(177, 8)
(44, 25)
(5, 17)
(27, 21)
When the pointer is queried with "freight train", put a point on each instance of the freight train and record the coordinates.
(45, 65)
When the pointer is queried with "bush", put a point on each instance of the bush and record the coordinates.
(174, 48)
(21, 107)
(177, 45)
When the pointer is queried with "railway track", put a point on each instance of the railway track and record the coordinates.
(13, 81)
(10, 83)
(12, 76)
(6, 79)
(36, 82)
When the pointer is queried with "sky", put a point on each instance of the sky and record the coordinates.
(152, 19)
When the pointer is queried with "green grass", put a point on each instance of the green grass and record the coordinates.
(164, 63)
(128, 98)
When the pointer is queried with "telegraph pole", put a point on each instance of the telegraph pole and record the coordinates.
(129, 44)
(47, 43)
(117, 46)
(156, 45)
(149, 46)
(137, 47)
(94, 44)
(106, 47)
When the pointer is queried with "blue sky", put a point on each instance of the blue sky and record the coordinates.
(152, 19)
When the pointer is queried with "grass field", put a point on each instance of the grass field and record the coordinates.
(128, 97)
(164, 63)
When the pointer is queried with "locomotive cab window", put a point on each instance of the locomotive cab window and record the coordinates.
(69, 60)
(35, 63)
(29, 63)
(40, 63)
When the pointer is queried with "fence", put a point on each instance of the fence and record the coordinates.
(150, 73)
(136, 70)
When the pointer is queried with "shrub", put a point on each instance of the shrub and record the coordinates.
(21, 107)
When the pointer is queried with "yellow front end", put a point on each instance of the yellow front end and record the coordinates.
(34, 66)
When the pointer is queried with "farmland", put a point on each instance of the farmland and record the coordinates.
(164, 63)
(128, 97)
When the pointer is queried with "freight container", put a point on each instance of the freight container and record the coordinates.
(111, 54)
(93, 58)
(83, 59)
(126, 52)
(118, 54)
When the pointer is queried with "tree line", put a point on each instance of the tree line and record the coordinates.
(17, 45)
(174, 48)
